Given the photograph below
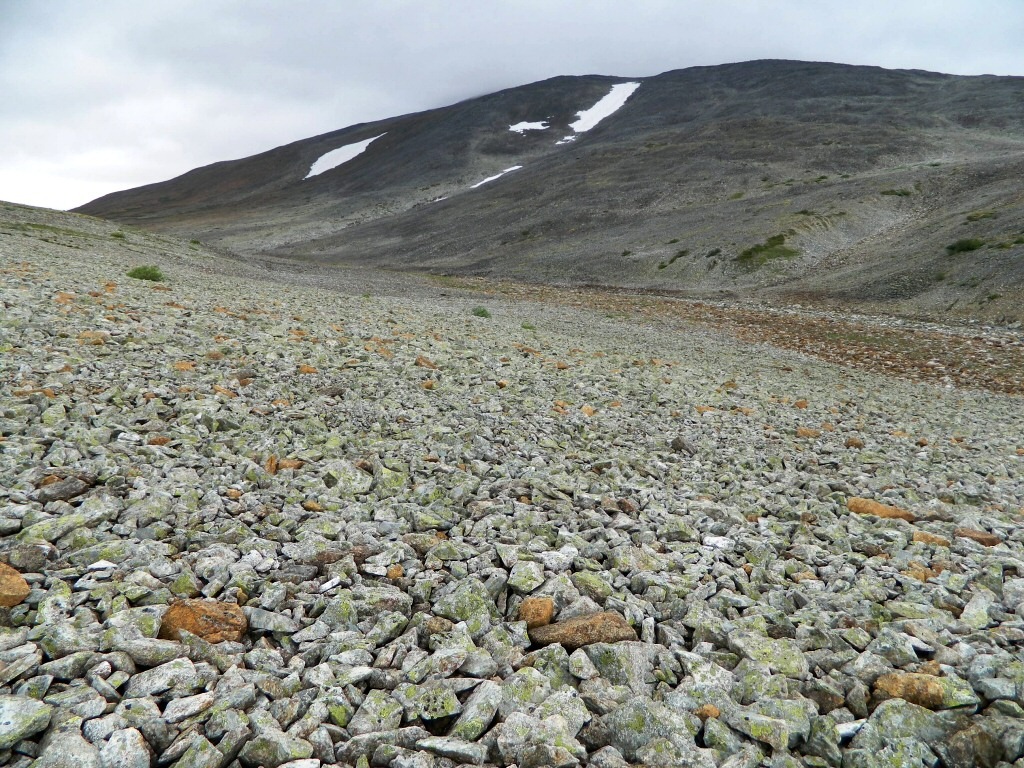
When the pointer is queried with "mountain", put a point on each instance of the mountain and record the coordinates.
(782, 180)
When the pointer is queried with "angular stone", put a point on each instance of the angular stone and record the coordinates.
(536, 611)
(378, 712)
(211, 620)
(67, 749)
(163, 678)
(628, 663)
(769, 730)
(927, 691)
(126, 748)
(574, 633)
(454, 749)
(478, 712)
(640, 721)
(984, 538)
(782, 655)
(868, 507)
(272, 748)
(526, 576)
(13, 588)
(21, 717)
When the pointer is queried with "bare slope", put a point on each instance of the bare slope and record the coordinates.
(782, 179)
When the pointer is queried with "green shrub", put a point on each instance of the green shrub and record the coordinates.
(965, 245)
(772, 248)
(147, 273)
(736, 195)
(897, 192)
(713, 252)
(979, 215)
(529, 327)
(118, 234)
(481, 312)
(193, 241)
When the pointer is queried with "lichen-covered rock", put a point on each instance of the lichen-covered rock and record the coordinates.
(20, 718)
(478, 712)
(640, 721)
(378, 712)
(781, 655)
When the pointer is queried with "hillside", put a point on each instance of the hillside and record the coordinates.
(777, 179)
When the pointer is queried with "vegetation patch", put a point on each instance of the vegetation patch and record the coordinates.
(897, 192)
(119, 235)
(481, 312)
(772, 248)
(736, 195)
(670, 262)
(979, 215)
(965, 245)
(148, 272)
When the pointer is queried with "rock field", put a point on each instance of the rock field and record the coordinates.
(254, 523)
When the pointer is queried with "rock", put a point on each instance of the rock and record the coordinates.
(67, 749)
(536, 611)
(526, 576)
(272, 748)
(984, 538)
(126, 748)
(213, 621)
(574, 633)
(972, 747)
(868, 507)
(927, 691)
(640, 721)
(62, 490)
(478, 712)
(628, 663)
(768, 730)
(781, 655)
(13, 588)
(454, 749)
(20, 718)
(378, 712)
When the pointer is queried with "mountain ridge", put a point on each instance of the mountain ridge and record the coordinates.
(868, 175)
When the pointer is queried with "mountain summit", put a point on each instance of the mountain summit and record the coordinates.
(779, 179)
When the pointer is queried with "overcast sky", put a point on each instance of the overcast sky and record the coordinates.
(102, 95)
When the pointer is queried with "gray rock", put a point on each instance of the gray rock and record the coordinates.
(378, 712)
(126, 748)
(274, 748)
(20, 718)
(478, 712)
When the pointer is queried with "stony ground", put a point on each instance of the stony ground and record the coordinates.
(263, 523)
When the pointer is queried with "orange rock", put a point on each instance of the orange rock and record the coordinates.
(583, 630)
(800, 404)
(869, 507)
(702, 409)
(271, 464)
(536, 611)
(13, 588)
(234, 493)
(211, 620)
(706, 711)
(429, 384)
(923, 537)
(184, 365)
(919, 571)
(984, 538)
(290, 464)
(804, 576)
(159, 440)
(307, 369)
(502, 383)
(312, 506)
(395, 572)
(588, 410)
(924, 690)
(424, 362)
(807, 432)
(854, 442)
(224, 391)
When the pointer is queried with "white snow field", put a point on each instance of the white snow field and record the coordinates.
(496, 176)
(336, 157)
(588, 118)
(523, 127)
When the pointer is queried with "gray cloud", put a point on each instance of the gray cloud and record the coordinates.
(110, 94)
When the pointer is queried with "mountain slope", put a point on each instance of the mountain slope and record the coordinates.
(773, 178)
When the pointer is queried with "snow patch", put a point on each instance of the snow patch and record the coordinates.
(496, 176)
(336, 157)
(588, 118)
(523, 127)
